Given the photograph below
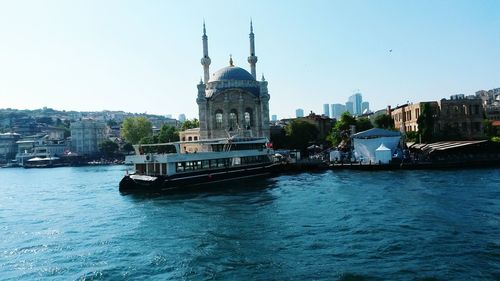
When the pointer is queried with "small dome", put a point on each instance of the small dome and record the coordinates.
(231, 73)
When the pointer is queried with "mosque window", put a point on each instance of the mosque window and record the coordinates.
(248, 118)
(233, 119)
(218, 119)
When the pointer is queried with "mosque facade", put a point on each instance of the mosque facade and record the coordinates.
(231, 102)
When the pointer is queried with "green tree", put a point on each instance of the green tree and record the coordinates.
(135, 128)
(363, 124)
(411, 136)
(108, 148)
(300, 134)
(190, 124)
(127, 147)
(341, 130)
(149, 140)
(168, 134)
(384, 121)
(426, 123)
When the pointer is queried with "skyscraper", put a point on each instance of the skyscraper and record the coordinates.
(349, 107)
(182, 117)
(356, 100)
(326, 110)
(299, 112)
(274, 117)
(337, 110)
(365, 107)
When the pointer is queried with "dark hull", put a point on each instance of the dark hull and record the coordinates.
(201, 179)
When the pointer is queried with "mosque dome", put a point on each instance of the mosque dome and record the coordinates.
(231, 73)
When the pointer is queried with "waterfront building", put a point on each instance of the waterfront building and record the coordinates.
(40, 145)
(491, 103)
(326, 110)
(453, 118)
(231, 101)
(337, 110)
(188, 136)
(299, 112)
(463, 117)
(8, 146)
(405, 116)
(86, 136)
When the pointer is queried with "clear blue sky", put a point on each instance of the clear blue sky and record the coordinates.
(144, 56)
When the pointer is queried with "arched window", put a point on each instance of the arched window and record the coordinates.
(195, 138)
(218, 119)
(233, 120)
(248, 118)
(190, 138)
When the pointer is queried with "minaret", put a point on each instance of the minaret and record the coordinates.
(252, 59)
(205, 60)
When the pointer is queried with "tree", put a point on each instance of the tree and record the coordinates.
(149, 140)
(384, 121)
(108, 148)
(363, 124)
(190, 124)
(341, 130)
(135, 128)
(411, 136)
(168, 134)
(300, 134)
(127, 147)
(426, 123)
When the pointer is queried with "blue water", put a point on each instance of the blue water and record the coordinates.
(72, 223)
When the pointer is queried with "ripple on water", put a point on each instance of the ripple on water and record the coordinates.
(72, 223)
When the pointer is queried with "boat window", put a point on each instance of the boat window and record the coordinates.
(160, 149)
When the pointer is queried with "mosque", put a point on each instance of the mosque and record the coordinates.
(231, 102)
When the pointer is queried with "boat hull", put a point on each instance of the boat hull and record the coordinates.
(198, 180)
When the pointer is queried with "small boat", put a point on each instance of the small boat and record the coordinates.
(42, 162)
(169, 166)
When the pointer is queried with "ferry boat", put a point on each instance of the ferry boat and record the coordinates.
(169, 166)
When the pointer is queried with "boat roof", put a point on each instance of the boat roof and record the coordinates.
(211, 141)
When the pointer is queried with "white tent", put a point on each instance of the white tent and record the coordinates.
(366, 143)
(383, 154)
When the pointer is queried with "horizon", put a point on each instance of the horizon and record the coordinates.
(139, 57)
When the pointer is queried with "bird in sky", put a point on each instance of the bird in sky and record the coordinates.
(390, 51)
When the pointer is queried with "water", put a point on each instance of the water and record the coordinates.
(72, 223)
